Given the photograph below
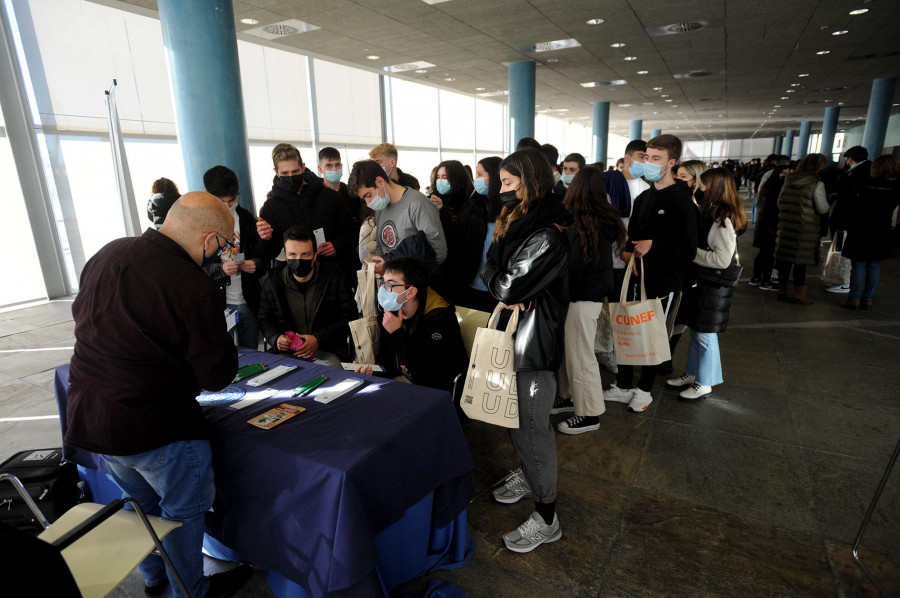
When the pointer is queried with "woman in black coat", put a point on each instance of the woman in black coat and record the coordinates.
(869, 230)
(767, 230)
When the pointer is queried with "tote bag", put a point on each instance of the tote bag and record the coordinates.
(837, 268)
(603, 342)
(364, 332)
(639, 327)
(490, 393)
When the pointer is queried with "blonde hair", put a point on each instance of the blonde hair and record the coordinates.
(285, 151)
(384, 149)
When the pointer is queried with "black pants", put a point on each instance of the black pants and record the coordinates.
(784, 270)
(625, 377)
(762, 265)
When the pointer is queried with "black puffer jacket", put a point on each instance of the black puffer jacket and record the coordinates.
(711, 303)
(868, 220)
(530, 266)
(334, 308)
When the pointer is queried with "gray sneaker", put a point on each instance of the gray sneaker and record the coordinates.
(514, 490)
(608, 362)
(532, 534)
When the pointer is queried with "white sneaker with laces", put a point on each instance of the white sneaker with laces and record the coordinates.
(514, 490)
(696, 391)
(640, 401)
(608, 362)
(681, 381)
(532, 534)
(614, 393)
(839, 288)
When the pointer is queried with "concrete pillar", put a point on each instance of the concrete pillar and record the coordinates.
(803, 145)
(655, 133)
(635, 129)
(521, 101)
(789, 144)
(829, 128)
(878, 115)
(600, 134)
(779, 144)
(201, 45)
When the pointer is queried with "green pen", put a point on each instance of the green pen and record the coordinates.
(308, 387)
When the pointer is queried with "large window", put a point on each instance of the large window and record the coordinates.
(415, 114)
(348, 105)
(276, 104)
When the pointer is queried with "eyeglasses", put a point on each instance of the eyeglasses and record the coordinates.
(390, 287)
(229, 244)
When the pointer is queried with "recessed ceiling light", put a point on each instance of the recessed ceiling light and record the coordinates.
(600, 21)
(657, 89)
(663, 95)
(420, 71)
(823, 52)
(777, 106)
(630, 58)
(449, 79)
(840, 32)
(785, 97)
(790, 90)
(552, 60)
(859, 11)
(642, 72)
(670, 100)
(249, 21)
(479, 89)
(372, 57)
(803, 75)
(795, 85)
(617, 45)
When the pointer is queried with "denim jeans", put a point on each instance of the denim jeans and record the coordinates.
(174, 481)
(247, 329)
(704, 361)
(861, 270)
(534, 439)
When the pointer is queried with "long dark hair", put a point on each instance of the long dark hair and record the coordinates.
(721, 200)
(460, 181)
(589, 205)
(533, 170)
(491, 165)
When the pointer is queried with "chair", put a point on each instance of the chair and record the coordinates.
(470, 320)
(101, 544)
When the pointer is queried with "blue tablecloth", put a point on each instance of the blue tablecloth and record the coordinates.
(308, 497)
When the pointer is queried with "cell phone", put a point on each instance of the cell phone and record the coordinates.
(250, 370)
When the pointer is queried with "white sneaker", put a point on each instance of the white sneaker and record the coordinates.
(640, 401)
(514, 490)
(681, 381)
(608, 361)
(614, 393)
(532, 534)
(696, 391)
(839, 288)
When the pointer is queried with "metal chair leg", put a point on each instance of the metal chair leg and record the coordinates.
(26, 497)
(868, 517)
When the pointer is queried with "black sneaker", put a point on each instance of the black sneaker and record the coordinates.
(157, 589)
(561, 405)
(579, 424)
(228, 583)
(755, 282)
(768, 285)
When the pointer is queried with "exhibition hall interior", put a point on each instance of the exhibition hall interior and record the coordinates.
(777, 481)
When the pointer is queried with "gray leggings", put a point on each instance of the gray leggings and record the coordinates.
(534, 440)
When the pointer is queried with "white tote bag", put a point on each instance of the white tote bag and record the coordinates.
(837, 268)
(639, 327)
(364, 332)
(490, 393)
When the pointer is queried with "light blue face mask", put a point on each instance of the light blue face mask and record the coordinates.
(653, 172)
(333, 176)
(481, 188)
(567, 179)
(379, 202)
(636, 169)
(442, 186)
(388, 299)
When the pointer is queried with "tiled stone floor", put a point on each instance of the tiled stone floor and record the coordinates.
(757, 491)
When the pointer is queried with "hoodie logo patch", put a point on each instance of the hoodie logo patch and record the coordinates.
(436, 336)
(661, 212)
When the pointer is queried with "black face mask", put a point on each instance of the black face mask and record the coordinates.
(292, 183)
(698, 195)
(509, 200)
(299, 267)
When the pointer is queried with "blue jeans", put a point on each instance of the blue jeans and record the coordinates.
(174, 481)
(247, 329)
(862, 270)
(704, 361)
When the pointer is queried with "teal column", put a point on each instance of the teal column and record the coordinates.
(803, 145)
(878, 115)
(201, 45)
(600, 135)
(521, 101)
(655, 133)
(829, 128)
(789, 144)
(779, 143)
(635, 129)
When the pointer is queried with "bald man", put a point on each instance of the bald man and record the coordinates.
(150, 334)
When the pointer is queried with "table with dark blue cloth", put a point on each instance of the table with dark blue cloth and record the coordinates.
(309, 497)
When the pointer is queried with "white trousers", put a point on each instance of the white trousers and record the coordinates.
(579, 375)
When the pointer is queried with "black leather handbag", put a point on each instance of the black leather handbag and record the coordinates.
(723, 277)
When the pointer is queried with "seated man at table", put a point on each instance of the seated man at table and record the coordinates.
(420, 335)
(150, 334)
(308, 299)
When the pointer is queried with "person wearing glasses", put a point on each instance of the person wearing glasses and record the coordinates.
(420, 336)
(239, 268)
(306, 303)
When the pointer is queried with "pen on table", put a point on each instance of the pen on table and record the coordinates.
(310, 386)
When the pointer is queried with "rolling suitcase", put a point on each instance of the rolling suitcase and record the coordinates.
(50, 482)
